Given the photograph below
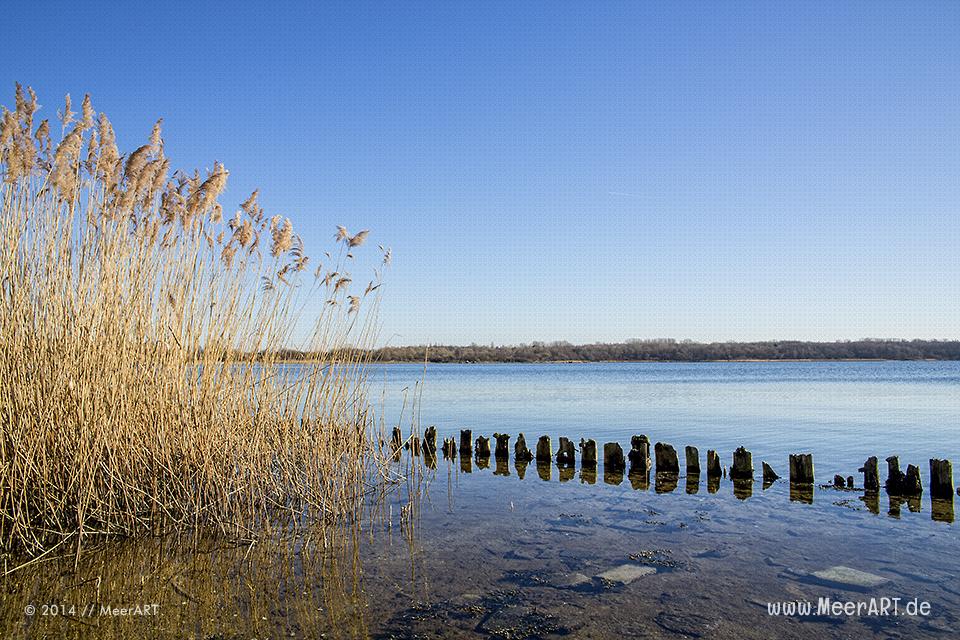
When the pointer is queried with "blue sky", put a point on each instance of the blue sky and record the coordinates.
(559, 171)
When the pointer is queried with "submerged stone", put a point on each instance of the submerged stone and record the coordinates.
(851, 578)
(572, 581)
(626, 573)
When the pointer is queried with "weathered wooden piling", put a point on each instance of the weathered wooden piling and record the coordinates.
(911, 482)
(896, 479)
(483, 447)
(639, 454)
(871, 475)
(449, 448)
(503, 445)
(544, 450)
(466, 442)
(839, 482)
(414, 445)
(667, 461)
(742, 467)
(714, 470)
(520, 451)
(849, 482)
(588, 453)
(397, 439)
(613, 457)
(693, 460)
(565, 454)
(769, 475)
(801, 468)
(941, 479)
(430, 440)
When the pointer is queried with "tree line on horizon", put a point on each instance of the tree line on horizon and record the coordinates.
(668, 350)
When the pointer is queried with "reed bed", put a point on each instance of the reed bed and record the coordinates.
(141, 382)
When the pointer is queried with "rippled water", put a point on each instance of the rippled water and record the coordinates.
(500, 550)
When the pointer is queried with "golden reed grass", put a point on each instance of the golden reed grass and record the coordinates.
(141, 386)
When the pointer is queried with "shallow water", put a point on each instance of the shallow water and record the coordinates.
(491, 555)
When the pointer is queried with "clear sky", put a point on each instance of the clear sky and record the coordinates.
(559, 171)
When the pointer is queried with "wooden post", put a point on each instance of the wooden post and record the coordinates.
(449, 448)
(565, 456)
(466, 442)
(714, 470)
(941, 479)
(667, 461)
(520, 451)
(483, 447)
(801, 468)
(613, 457)
(430, 440)
(639, 455)
(769, 475)
(397, 439)
(693, 460)
(912, 485)
(503, 445)
(742, 467)
(839, 482)
(544, 450)
(588, 454)
(896, 479)
(871, 476)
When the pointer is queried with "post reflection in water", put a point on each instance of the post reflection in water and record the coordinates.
(588, 475)
(503, 467)
(743, 488)
(713, 484)
(567, 472)
(693, 483)
(941, 510)
(801, 493)
(521, 467)
(466, 464)
(666, 482)
(639, 480)
(545, 471)
(872, 501)
(483, 462)
(613, 476)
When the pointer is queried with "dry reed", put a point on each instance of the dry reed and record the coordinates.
(140, 383)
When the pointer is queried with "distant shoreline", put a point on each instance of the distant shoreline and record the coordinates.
(732, 361)
(665, 350)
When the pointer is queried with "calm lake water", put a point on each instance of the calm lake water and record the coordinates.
(843, 412)
(501, 550)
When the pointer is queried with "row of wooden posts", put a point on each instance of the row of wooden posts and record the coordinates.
(898, 483)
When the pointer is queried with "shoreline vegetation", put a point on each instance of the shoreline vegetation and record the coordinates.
(658, 351)
(127, 304)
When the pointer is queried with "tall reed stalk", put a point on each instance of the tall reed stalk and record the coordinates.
(141, 385)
